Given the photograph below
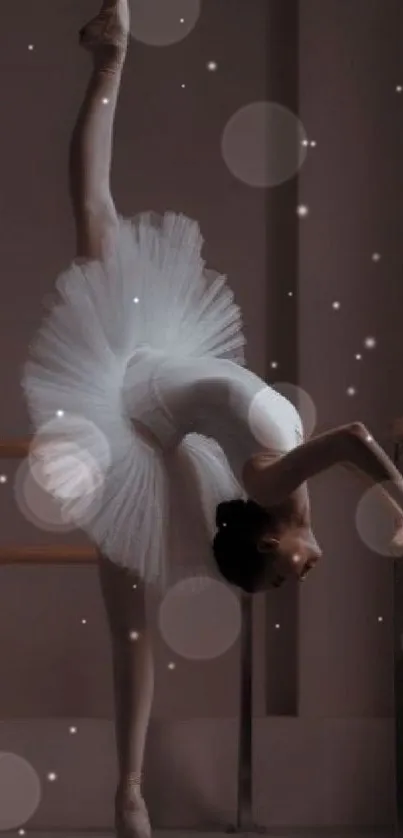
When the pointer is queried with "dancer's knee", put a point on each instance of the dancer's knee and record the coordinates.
(124, 594)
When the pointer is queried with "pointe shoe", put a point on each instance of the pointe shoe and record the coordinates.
(134, 824)
(110, 28)
(131, 817)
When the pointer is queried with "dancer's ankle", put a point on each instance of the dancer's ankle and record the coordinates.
(110, 59)
(129, 787)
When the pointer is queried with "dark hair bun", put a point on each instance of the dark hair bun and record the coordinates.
(240, 515)
(230, 513)
(235, 544)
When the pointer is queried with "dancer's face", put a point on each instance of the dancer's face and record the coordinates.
(291, 550)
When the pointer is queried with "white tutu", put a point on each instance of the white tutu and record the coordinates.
(90, 372)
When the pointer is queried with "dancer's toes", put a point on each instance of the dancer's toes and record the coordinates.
(109, 29)
(130, 824)
(131, 816)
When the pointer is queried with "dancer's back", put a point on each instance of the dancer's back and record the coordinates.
(219, 398)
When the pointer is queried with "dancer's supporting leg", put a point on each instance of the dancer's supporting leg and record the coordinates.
(133, 667)
(124, 595)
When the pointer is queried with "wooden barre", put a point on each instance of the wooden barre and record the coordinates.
(48, 554)
(18, 448)
(15, 449)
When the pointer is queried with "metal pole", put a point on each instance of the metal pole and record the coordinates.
(398, 677)
(244, 813)
(245, 748)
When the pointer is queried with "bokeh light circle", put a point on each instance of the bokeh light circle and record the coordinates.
(302, 401)
(68, 458)
(37, 505)
(159, 23)
(264, 144)
(200, 619)
(20, 791)
(375, 522)
(70, 433)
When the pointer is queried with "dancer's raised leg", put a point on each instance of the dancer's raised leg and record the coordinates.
(106, 37)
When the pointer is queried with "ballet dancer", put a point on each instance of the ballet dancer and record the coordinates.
(137, 376)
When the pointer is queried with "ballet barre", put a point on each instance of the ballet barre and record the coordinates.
(15, 449)
(45, 554)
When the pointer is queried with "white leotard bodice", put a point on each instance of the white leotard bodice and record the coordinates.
(220, 399)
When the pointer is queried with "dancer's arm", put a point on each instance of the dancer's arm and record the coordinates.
(349, 444)
(95, 215)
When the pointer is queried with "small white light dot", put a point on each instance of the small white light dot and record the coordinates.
(296, 557)
(302, 211)
(136, 300)
(105, 101)
(369, 438)
(291, 293)
(134, 635)
(212, 66)
(277, 626)
(21, 832)
(31, 47)
(313, 143)
(305, 143)
(134, 587)
(351, 391)
(380, 619)
(274, 365)
(72, 730)
(399, 88)
(182, 20)
(336, 305)
(171, 666)
(183, 86)
(84, 621)
(358, 357)
(3, 478)
(369, 343)
(376, 257)
(52, 777)
(59, 413)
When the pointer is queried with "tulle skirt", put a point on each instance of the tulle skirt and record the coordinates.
(149, 507)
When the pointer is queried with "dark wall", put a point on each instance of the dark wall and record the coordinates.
(350, 65)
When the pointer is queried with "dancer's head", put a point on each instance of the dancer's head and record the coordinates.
(257, 549)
